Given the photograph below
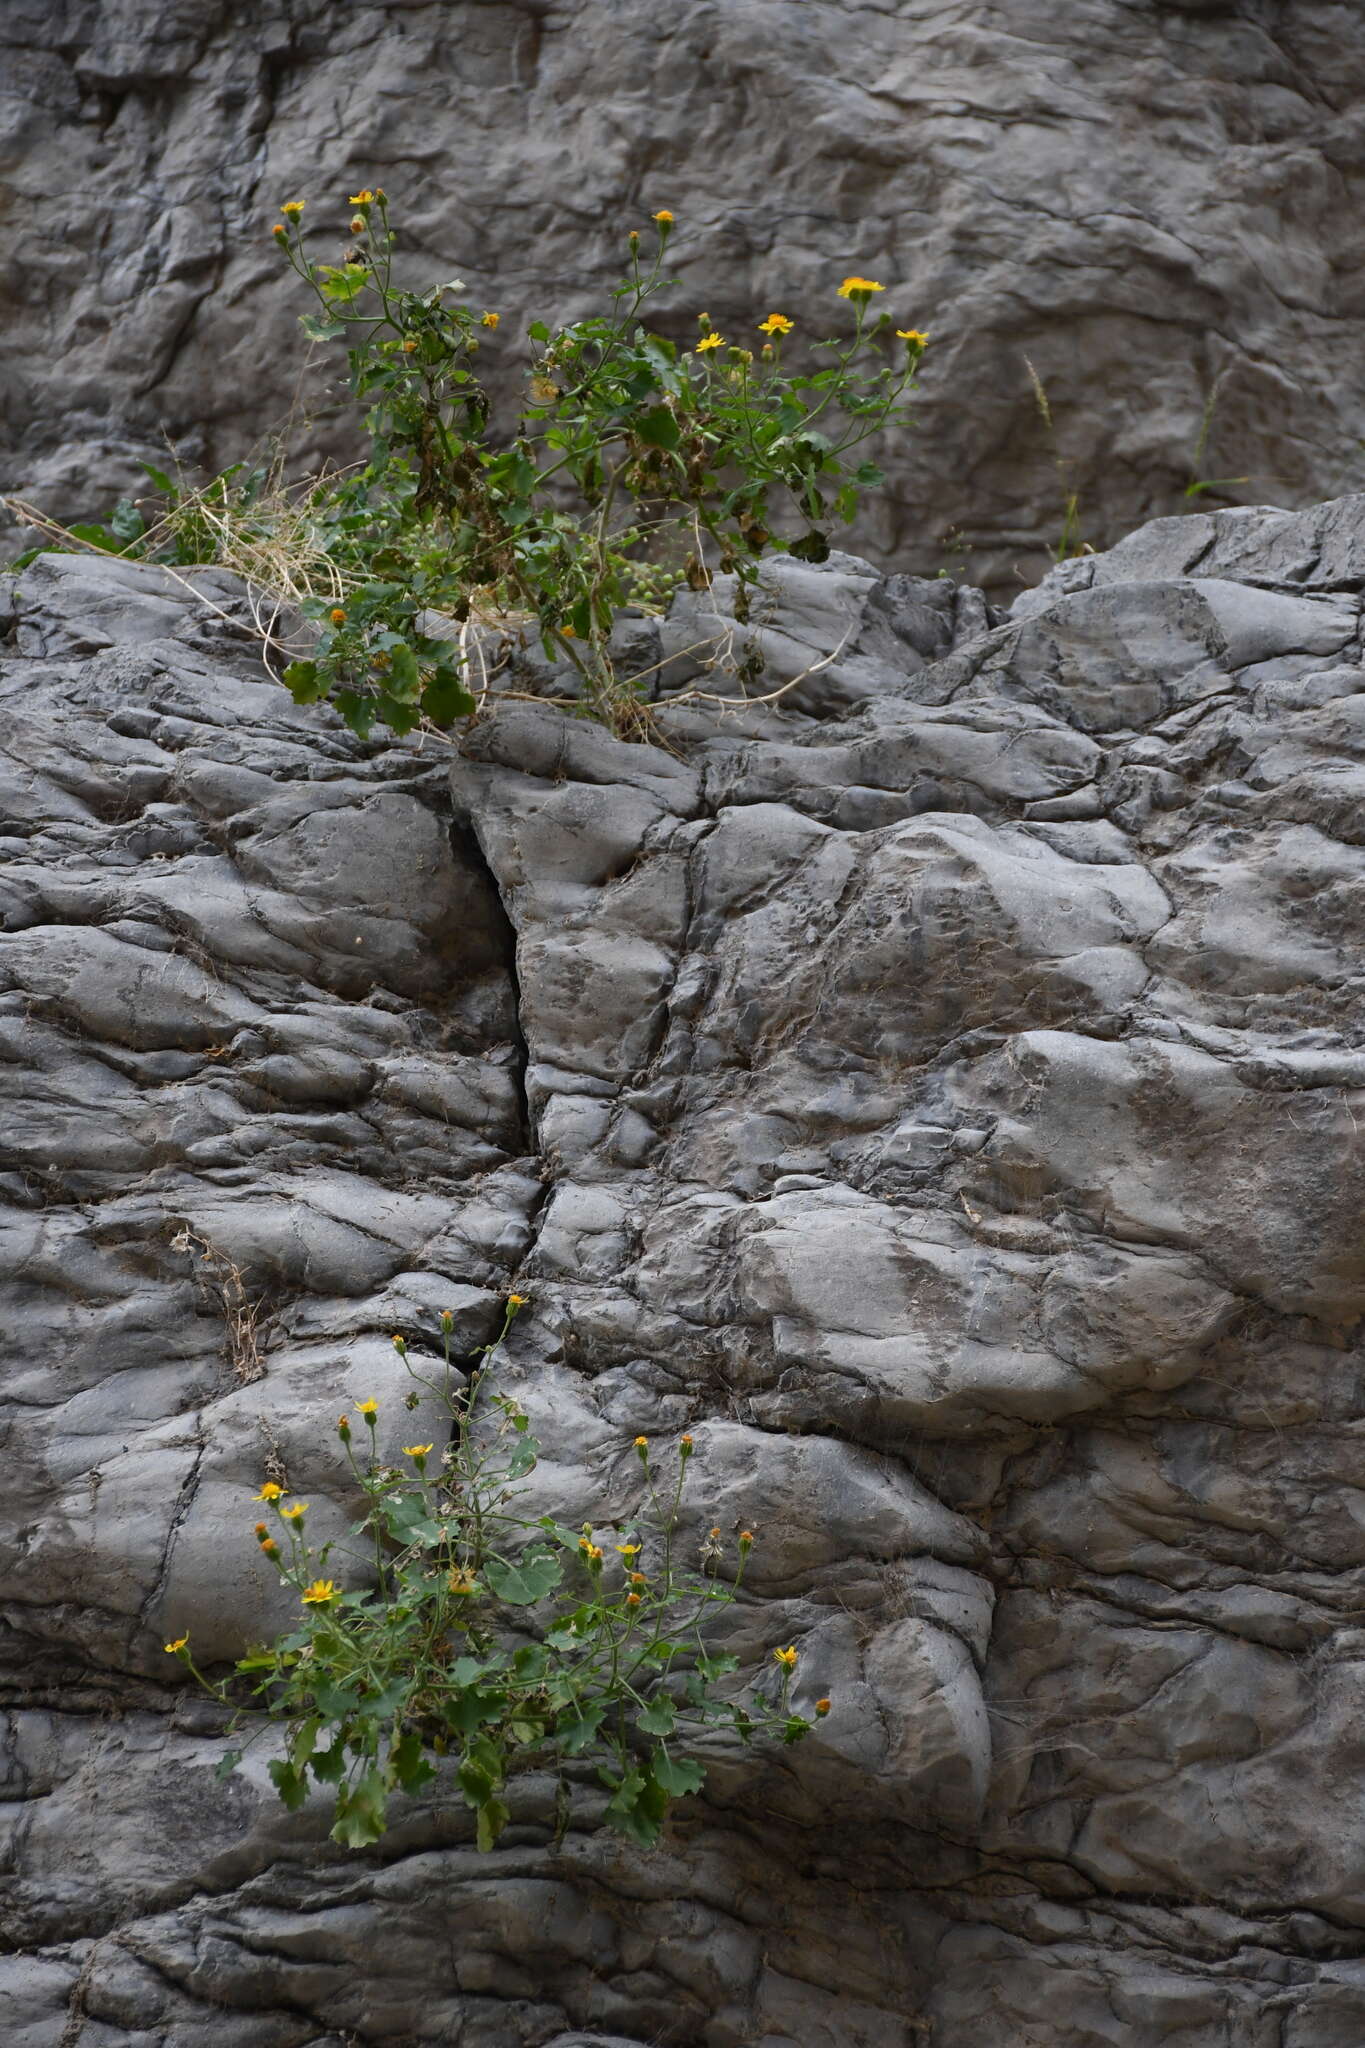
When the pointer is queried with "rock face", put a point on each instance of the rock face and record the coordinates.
(939, 1089)
(1155, 205)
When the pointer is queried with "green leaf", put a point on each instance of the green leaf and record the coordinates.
(301, 681)
(528, 1580)
(538, 331)
(159, 478)
(127, 522)
(341, 286)
(660, 1717)
(227, 1764)
(678, 1775)
(404, 681)
(465, 1670)
(329, 1765)
(289, 1783)
(523, 1458)
(301, 1748)
(637, 1810)
(492, 1817)
(400, 716)
(359, 712)
(576, 1731)
(795, 1729)
(471, 1710)
(97, 537)
(658, 428)
(409, 1763)
(360, 1812)
(481, 1770)
(318, 329)
(811, 547)
(445, 698)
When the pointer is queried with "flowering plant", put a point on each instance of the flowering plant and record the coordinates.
(632, 464)
(501, 1640)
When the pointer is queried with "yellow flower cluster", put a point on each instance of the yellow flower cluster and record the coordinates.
(710, 341)
(776, 323)
(859, 288)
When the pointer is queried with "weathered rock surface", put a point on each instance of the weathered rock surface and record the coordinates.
(1155, 205)
(939, 1089)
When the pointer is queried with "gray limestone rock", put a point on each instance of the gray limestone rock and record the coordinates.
(937, 1088)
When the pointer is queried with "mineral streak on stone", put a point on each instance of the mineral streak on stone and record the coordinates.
(1154, 205)
(940, 1091)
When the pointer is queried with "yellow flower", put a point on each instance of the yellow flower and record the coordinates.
(365, 198)
(592, 1551)
(776, 323)
(174, 1649)
(270, 1547)
(516, 1301)
(358, 223)
(632, 1599)
(369, 1409)
(710, 341)
(410, 345)
(684, 1446)
(715, 1535)
(320, 1593)
(269, 1491)
(629, 1549)
(399, 1343)
(663, 215)
(292, 208)
(642, 1443)
(461, 1581)
(638, 1579)
(746, 1538)
(786, 1658)
(859, 288)
(280, 231)
(822, 1708)
(338, 615)
(915, 334)
(295, 1511)
(344, 1426)
(417, 1450)
(261, 1532)
(490, 319)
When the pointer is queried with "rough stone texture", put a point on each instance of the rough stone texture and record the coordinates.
(1157, 205)
(939, 1089)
